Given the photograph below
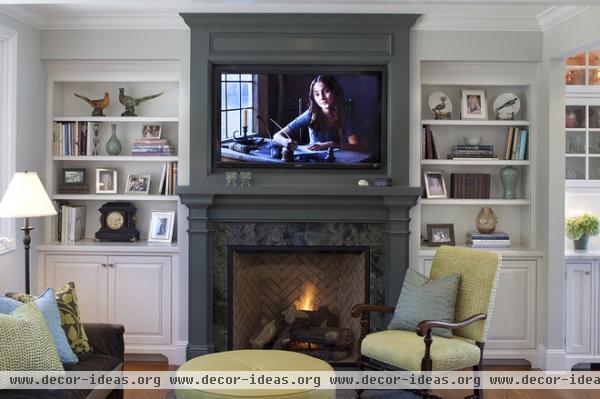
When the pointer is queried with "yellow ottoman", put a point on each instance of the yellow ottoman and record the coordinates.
(255, 360)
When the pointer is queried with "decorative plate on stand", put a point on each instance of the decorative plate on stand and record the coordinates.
(440, 105)
(506, 106)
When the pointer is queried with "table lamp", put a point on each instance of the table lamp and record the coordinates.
(26, 197)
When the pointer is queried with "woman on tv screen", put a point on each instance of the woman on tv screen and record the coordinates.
(329, 123)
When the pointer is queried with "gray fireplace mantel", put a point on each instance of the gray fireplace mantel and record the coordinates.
(284, 202)
(388, 206)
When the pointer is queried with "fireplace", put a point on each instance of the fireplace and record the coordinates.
(297, 298)
(294, 208)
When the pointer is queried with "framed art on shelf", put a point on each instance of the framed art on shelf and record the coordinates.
(73, 176)
(138, 184)
(161, 226)
(440, 234)
(473, 104)
(435, 187)
(106, 181)
(152, 131)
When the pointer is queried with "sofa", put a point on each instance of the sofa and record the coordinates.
(107, 342)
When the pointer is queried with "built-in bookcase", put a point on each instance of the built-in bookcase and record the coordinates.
(515, 216)
(65, 107)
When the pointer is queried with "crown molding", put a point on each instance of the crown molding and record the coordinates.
(24, 14)
(476, 23)
(166, 21)
(557, 15)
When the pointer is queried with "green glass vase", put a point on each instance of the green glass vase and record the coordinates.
(113, 145)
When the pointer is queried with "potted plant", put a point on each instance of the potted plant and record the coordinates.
(580, 226)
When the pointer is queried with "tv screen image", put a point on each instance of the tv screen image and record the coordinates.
(297, 118)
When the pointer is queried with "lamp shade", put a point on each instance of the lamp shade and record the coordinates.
(26, 197)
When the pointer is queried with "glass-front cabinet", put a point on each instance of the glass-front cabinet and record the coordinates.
(582, 119)
(582, 144)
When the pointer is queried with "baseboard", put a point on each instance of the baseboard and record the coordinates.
(175, 353)
(556, 360)
(542, 357)
(530, 355)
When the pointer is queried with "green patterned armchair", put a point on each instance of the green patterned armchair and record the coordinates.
(416, 350)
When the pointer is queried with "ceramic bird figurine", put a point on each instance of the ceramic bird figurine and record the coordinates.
(130, 102)
(440, 106)
(98, 105)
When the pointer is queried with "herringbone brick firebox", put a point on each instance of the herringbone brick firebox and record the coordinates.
(297, 298)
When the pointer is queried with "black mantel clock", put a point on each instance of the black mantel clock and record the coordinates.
(117, 221)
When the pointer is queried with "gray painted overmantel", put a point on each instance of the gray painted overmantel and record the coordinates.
(295, 200)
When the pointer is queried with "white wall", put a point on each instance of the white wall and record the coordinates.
(140, 45)
(30, 151)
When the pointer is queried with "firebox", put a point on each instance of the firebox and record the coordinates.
(297, 298)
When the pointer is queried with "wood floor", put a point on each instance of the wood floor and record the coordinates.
(450, 394)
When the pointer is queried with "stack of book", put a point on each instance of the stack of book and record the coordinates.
(497, 239)
(152, 147)
(168, 179)
(72, 138)
(469, 185)
(516, 144)
(464, 152)
(74, 188)
(69, 223)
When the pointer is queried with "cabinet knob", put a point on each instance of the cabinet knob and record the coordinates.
(587, 273)
(111, 265)
(103, 264)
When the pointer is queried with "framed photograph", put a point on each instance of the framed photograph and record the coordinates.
(161, 226)
(151, 131)
(106, 181)
(435, 187)
(138, 184)
(473, 104)
(440, 234)
(73, 176)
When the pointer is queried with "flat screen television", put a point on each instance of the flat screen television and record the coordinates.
(298, 117)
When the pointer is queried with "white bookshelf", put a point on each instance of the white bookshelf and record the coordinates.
(64, 106)
(107, 274)
(515, 216)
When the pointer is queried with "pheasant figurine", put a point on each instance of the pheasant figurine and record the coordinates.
(98, 105)
(130, 102)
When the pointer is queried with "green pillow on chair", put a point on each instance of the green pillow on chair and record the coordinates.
(424, 299)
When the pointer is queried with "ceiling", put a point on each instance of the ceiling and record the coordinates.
(515, 15)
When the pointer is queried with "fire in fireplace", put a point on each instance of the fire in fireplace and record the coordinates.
(297, 299)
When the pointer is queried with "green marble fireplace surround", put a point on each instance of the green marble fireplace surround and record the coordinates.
(294, 207)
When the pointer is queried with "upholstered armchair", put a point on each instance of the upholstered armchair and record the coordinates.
(419, 350)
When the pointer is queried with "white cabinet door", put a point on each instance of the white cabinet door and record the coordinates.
(578, 307)
(513, 317)
(89, 273)
(140, 297)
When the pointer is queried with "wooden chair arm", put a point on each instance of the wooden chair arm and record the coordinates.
(424, 330)
(360, 309)
(424, 327)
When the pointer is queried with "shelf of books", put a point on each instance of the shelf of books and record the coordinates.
(476, 152)
(98, 159)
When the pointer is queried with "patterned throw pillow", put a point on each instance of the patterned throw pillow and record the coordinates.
(424, 299)
(66, 298)
(26, 343)
(46, 304)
